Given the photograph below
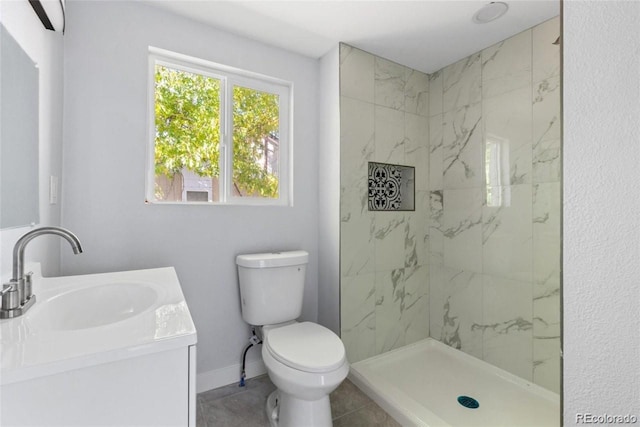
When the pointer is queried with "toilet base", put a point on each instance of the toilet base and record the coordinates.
(272, 408)
(288, 411)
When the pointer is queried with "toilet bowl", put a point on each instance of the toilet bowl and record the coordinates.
(306, 362)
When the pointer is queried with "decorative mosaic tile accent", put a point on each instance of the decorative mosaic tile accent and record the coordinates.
(391, 187)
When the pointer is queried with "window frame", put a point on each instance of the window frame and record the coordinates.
(228, 77)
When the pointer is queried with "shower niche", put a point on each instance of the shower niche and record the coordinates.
(391, 187)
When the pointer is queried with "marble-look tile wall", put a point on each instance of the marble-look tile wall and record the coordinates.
(494, 223)
(383, 255)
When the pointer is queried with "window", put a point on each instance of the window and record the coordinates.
(217, 134)
(497, 171)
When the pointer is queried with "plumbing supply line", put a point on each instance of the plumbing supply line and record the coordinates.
(254, 340)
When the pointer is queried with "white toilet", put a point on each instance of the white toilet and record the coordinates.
(305, 361)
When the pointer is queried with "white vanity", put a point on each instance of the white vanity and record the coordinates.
(113, 349)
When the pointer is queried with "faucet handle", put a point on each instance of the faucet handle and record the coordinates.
(7, 287)
(10, 296)
(28, 282)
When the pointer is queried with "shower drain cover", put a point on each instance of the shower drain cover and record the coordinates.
(468, 402)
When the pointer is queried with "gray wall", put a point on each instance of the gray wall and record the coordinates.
(105, 130)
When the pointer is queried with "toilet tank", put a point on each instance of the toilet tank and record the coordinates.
(271, 286)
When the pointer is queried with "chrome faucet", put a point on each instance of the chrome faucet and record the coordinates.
(17, 295)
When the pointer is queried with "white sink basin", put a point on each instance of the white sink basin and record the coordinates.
(81, 321)
(95, 306)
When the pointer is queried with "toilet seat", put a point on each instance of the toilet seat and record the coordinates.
(306, 346)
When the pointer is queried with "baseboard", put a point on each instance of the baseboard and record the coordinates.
(228, 375)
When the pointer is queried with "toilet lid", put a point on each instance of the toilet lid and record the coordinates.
(306, 346)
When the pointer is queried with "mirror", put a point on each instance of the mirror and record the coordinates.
(18, 135)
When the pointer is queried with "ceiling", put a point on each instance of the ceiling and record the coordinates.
(424, 35)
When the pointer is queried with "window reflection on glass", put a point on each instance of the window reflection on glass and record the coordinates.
(498, 190)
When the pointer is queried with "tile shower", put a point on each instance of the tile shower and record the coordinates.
(476, 265)
(384, 272)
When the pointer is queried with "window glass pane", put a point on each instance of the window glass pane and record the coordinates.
(256, 163)
(187, 135)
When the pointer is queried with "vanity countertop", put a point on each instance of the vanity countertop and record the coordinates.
(86, 320)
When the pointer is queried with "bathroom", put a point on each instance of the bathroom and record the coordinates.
(93, 139)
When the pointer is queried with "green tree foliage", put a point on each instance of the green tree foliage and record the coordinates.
(255, 118)
(187, 111)
(187, 119)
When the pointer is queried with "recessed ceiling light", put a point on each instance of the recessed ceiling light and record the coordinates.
(490, 12)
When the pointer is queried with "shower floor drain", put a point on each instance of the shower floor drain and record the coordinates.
(468, 402)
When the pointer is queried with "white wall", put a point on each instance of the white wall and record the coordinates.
(601, 180)
(45, 48)
(329, 192)
(105, 130)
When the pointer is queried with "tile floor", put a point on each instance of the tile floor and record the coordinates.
(233, 406)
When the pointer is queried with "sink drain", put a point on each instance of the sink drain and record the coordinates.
(468, 402)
